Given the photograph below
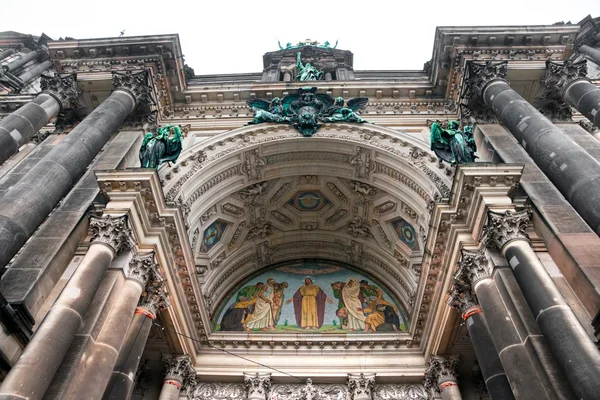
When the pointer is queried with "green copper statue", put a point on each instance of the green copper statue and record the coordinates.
(307, 42)
(451, 144)
(265, 111)
(161, 147)
(306, 72)
(340, 113)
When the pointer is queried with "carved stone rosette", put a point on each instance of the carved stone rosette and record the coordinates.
(473, 267)
(155, 297)
(506, 227)
(440, 372)
(112, 231)
(257, 386)
(142, 268)
(478, 76)
(178, 368)
(462, 295)
(360, 387)
(62, 88)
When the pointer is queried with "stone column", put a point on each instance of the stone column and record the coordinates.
(27, 204)
(30, 376)
(570, 168)
(361, 386)
(575, 352)
(568, 81)
(98, 364)
(257, 386)
(591, 52)
(179, 372)
(34, 72)
(464, 299)
(18, 128)
(19, 62)
(441, 377)
(517, 364)
(6, 53)
(122, 380)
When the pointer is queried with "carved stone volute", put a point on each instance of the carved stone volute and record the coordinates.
(62, 88)
(440, 371)
(503, 228)
(142, 268)
(360, 387)
(112, 231)
(257, 386)
(178, 368)
(474, 266)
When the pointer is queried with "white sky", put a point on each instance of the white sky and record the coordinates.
(231, 36)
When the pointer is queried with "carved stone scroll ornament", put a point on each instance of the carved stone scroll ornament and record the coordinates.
(478, 76)
(142, 268)
(257, 386)
(506, 227)
(439, 371)
(178, 367)
(360, 387)
(62, 88)
(112, 231)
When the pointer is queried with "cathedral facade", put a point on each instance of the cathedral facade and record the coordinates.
(308, 232)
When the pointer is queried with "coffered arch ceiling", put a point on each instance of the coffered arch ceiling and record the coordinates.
(259, 195)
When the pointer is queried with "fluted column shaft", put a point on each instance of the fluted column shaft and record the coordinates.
(591, 52)
(489, 362)
(575, 352)
(26, 204)
(30, 376)
(570, 168)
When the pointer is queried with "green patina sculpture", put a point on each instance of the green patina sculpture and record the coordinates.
(161, 147)
(451, 144)
(307, 72)
(307, 42)
(306, 109)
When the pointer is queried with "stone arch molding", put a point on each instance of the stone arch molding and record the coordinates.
(240, 183)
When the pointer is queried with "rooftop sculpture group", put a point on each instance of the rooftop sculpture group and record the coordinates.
(451, 144)
(161, 147)
(307, 42)
(306, 109)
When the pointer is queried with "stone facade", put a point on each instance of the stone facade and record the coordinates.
(266, 265)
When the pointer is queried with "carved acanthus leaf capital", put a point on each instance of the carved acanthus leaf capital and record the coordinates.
(62, 88)
(257, 386)
(559, 75)
(179, 368)
(506, 227)
(439, 370)
(361, 386)
(112, 231)
(136, 84)
(155, 297)
(142, 268)
(474, 266)
(477, 77)
(462, 295)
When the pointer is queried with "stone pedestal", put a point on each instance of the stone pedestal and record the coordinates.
(257, 386)
(30, 376)
(441, 377)
(575, 352)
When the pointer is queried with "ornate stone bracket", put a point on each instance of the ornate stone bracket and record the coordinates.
(439, 371)
(477, 77)
(112, 231)
(506, 227)
(63, 88)
(142, 268)
(360, 387)
(257, 386)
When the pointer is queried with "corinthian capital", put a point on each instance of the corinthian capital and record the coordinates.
(142, 268)
(360, 387)
(155, 297)
(474, 266)
(135, 84)
(112, 231)
(560, 75)
(477, 77)
(506, 227)
(462, 295)
(62, 88)
(178, 368)
(257, 386)
(440, 371)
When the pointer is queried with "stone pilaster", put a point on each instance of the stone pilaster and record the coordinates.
(257, 386)
(361, 386)
(111, 231)
(441, 376)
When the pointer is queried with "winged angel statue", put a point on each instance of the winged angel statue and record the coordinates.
(161, 147)
(451, 144)
(306, 109)
(309, 392)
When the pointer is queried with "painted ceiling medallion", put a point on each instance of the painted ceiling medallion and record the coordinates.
(406, 233)
(308, 201)
(212, 235)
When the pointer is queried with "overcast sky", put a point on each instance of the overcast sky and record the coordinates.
(231, 36)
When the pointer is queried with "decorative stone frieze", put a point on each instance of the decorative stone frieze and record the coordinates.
(474, 266)
(112, 231)
(400, 392)
(178, 368)
(506, 227)
(441, 371)
(360, 387)
(142, 268)
(62, 88)
(257, 386)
